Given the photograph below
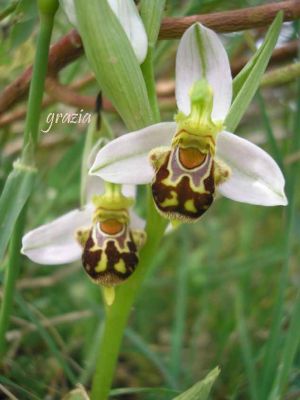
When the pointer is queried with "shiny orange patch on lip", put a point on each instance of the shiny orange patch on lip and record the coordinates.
(111, 226)
(191, 157)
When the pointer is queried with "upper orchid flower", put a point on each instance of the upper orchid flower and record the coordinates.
(198, 155)
(129, 18)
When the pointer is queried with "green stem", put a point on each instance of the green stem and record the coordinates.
(31, 132)
(180, 306)
(12, 272)
(47, 10)
(118, 313)
(148, 73)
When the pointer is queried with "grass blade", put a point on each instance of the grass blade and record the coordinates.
(201, 390)
(142, 346)
(246, 345)
(16, 192)
(247, 81)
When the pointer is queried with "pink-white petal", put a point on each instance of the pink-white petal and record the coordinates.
(54, 243)
(125, 160)
(136, 222)
(201, 54)
(256, 178)
(129, 17)
(69, 9)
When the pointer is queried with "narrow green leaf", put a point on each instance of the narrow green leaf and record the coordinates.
(114, 63)
(243, 75)
(28, 310)
(247, 82)
(8, 9)
(150, 391)
(291, 345)
(200, 390)
(151, 13)
(17, 189)
(245, 344)
(26, 14)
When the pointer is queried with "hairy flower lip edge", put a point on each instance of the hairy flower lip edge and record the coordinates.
(129, 18)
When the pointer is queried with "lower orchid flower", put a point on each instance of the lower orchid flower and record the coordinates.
(104, 234)
(187, 161)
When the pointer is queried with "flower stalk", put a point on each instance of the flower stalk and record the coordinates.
(118, 312)
(31, 133)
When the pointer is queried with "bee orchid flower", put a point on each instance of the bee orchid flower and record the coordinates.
(189, 160)
(105, 234)
(128, 16)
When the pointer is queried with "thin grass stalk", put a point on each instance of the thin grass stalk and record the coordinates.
(148, 72)
(31, 132)
(270, 361)
(8, 10)
(11, 274)
(180, 304)
(152, 356)
(26, 167)
(47, 337)
(293, 339)
(269, 130)
(246, 346)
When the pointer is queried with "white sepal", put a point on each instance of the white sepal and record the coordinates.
(69, 9)
(255, 176)
(201, 54)
(126, 159)
(94, 186)
(129, 18)
(136, 222)
(55, 243)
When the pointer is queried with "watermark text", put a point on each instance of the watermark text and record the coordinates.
(66, 118)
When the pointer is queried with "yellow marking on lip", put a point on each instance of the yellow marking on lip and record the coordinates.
(190, 206)
(102, 264)
(170, 202)
(120, 266)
